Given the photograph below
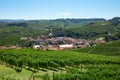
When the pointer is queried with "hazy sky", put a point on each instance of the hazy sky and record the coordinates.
(52, 9)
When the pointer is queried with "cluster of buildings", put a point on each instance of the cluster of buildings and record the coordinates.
(9, 47)
(58, 43)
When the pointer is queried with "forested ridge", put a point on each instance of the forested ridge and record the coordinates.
(76, 28)
(12, 30)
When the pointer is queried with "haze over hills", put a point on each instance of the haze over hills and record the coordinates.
(64, 22)
(10, 20)
(59, 19)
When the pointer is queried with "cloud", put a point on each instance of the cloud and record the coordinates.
(64, 14)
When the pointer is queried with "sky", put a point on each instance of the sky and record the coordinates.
(54, 9)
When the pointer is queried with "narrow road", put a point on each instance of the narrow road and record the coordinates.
(91, 50)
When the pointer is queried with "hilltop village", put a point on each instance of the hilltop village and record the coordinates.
(60, 43)
(53, 43)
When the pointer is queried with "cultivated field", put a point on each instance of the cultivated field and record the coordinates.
(30, 64)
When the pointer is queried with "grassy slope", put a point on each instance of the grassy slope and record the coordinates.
(10, 35)
(24, 75)
(8, 72)
(110, 49)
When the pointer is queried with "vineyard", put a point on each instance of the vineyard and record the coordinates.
(61, 65)
(108, 49)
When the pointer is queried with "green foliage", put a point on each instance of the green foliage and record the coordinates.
(6, 78)
(89, 31)
(11, 31)
(76, 28)
(46, 77)
(17, 24)
(78, 66)
(11, 35)
(109, 49)
(23, 43)
(72, 70)
(52, 59)
(112, 37)
(93, 73)
(115, 21)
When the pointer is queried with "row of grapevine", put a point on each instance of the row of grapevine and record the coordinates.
(53, 59)
(94, 73)
(35, 60)
(109, 49)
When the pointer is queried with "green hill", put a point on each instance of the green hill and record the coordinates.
(109, 49)
(11, 31)
(56, 22)
(10, 35)
(92, 30)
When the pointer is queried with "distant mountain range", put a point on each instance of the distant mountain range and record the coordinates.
(51, 23)
(55, 20)
(73, 20)
(9, 20)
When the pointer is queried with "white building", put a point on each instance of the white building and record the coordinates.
(36, 46)
(66, 46)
